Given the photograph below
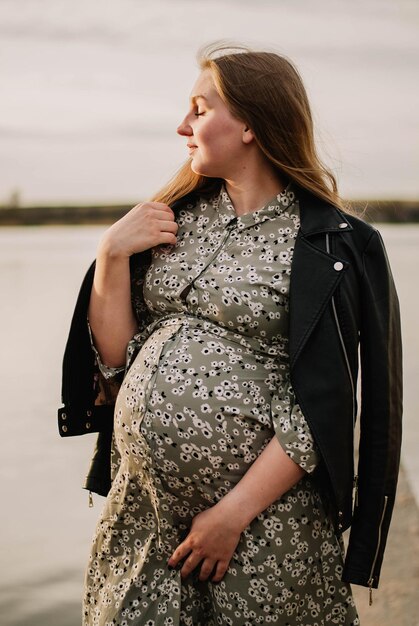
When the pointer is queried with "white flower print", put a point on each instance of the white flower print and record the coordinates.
(208, 388)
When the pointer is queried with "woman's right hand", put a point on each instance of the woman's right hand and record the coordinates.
(146, 225)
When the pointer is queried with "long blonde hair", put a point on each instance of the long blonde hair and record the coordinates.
(266, 92)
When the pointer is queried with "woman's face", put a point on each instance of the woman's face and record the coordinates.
(216, 140)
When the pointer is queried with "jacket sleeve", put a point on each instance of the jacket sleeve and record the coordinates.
(87, 394)
(84, 392)
(381, 413)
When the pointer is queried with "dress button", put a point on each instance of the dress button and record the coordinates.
(338, 266)
(343, 225)
(64, 428)
(63, 416)
(88, 413)
(340, 514)
(340, 526)
(88, 425)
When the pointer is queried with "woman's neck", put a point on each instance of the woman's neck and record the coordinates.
(253, 190)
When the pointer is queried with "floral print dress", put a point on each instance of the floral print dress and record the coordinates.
(207, 388)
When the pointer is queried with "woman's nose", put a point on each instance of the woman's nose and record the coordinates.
(184, 129)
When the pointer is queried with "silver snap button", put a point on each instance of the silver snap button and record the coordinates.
(88, 413)
(340, 514)
(88, 424)
(343, 225)
(63, 416)
(340, 526)
(64, 428)
(338, 266)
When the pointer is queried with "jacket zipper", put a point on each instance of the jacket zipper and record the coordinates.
(355, 490)
(371, 578)
(343, 345)
(335, 315)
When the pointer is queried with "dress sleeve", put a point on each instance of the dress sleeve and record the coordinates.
(292, 430)
(133, 346)
(106, 371)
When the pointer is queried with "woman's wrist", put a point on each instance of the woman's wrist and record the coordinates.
(112, 248)
(271, 475)
(238, 514)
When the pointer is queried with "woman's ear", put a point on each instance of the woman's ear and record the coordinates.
(248, 135)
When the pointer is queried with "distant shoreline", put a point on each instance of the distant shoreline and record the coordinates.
(393, 211)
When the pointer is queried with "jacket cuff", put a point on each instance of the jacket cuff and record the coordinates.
(356, 577)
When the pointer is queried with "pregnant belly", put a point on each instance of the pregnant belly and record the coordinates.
(207, 414)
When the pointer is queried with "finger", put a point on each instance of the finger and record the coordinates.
(148, 210)
(162, 215)
(168, 227)
(189, 565)
(152, 215)
(167, 238)
(155, 205)
(181, 551)
(162, 206)
(159, 206)
(207, 568)
(222, 567)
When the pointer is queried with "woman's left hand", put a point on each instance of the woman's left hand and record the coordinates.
(212, 538)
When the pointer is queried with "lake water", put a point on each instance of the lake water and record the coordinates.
(46, 524)
(92, 92)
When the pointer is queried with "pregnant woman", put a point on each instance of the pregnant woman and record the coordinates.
(227, 314)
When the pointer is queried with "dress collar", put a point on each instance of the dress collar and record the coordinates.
(277, 205)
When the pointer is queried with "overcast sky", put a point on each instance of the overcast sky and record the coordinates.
(92, 91)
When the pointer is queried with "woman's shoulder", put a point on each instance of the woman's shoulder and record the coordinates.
(363, 238)
(358, 221)
(319, 215)
(361, 230)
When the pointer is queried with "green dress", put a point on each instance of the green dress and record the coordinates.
(207, 389)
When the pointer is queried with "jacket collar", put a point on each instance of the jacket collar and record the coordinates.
(319, 216)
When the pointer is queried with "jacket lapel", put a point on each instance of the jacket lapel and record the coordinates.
(315, 273)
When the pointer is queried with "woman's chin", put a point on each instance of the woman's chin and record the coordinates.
(196, 168)
(201, 170)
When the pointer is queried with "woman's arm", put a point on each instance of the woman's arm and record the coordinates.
(215, 533)
(111, 317)
(267, 479)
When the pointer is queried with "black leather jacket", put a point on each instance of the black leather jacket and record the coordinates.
(342, 298)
